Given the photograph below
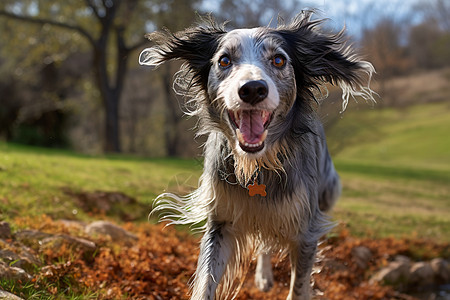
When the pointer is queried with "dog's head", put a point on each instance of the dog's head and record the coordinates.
(245, 82)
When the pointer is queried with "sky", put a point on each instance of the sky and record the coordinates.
(357, 13)
(354, 14)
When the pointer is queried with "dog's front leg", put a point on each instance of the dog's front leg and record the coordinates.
(263, 274)
(216, 249)
(302, 258)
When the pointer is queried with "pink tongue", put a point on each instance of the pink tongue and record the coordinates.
(252, 126)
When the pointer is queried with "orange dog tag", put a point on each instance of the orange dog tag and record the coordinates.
(257, 189)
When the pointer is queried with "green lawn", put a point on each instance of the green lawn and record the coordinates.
(394, 165)
(413, 137)
(33, 180)
(395, 169)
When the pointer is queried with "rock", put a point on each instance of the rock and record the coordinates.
(8, 296)
(441, 269)
(421, 274)
(13, 273)
(362, 256)
(402, 258)
(5, 230)
(87, 248)
(8, 256)
(396, 273)
(78, 225)
(16, 254)
(28, 259)
(116, 233)
(13, 259)
(31, 238)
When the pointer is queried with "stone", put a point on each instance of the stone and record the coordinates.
(362, 256)
(31, 238)
(28, 259)
(19, 256)
(421, 274)
(13, 273)
(441, 269)
(5, 230)
(86, 247)
(8, 296)
(116, 233)
(8, 256)
(402, 258)
(78, 225)
(396, 273)
(13, 259)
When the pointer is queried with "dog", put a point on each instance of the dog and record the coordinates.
(268, 178)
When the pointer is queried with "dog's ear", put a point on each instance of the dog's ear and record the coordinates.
(196, 46)
(324, 57)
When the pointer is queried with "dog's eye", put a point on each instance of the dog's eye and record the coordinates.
(279, 61)
(224, 61)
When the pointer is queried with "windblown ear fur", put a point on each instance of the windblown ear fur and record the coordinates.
(319, 57)
(196, 46)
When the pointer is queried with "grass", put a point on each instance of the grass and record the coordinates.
(33, 180)
(415, 136)
(394, 165)
(395, 169)
(29, 291)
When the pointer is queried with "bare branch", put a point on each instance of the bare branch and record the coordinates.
(41, 21)
(90, 4)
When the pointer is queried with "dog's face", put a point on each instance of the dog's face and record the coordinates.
(246, 82)
(252, 79)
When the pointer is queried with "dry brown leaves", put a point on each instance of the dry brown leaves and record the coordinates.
(161, 263)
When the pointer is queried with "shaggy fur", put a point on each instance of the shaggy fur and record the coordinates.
(253, 92)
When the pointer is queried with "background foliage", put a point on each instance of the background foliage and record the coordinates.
(55, 93)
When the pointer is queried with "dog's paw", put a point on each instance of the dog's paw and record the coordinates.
(264, 282)
(264, 275)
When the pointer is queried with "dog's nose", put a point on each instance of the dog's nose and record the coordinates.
(254, 91)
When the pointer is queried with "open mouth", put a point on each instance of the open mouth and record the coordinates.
(251, 128)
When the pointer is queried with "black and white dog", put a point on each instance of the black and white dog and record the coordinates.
(268, 177)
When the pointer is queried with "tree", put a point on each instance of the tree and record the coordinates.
(422, 44)
(174, 15)
(101, 23)
(429, 41)
(385, 50)
(437, 11)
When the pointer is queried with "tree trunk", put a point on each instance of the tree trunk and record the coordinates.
(112, 131)
(173, 115)
(111, 94)
(110, 102)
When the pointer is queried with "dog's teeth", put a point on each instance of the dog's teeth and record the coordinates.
(240, 137)
(253, 145)
(264, 135)
(242, 141)
(236, 116)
